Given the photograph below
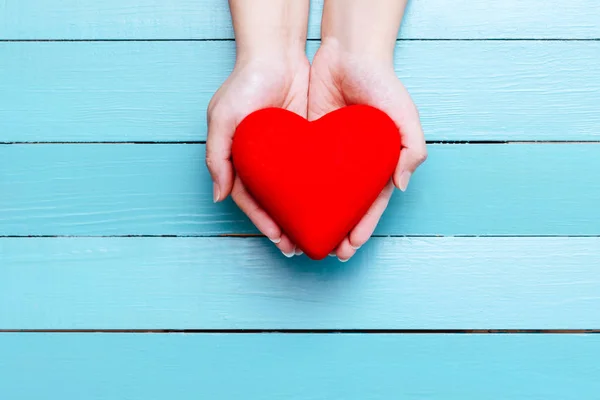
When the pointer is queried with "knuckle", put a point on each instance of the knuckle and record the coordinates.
(416, 110)
(217, 110)
(214, 113)
(210, 162)
(236, 194)
(421, 156)
(213, 104)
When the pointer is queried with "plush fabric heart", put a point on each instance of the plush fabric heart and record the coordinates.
(316, 179)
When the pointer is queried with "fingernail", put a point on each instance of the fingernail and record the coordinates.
(332, 254)
(299, 252)
(276, 240)
(404, 178)
(289, 255)
(216, 193)
(343, 260)
(355, 248)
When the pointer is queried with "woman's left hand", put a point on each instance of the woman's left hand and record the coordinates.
(339, 78)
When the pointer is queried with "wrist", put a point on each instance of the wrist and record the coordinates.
(278, 50)
(348, 49)
(270, 29)
(270, 66)
(353, 48)
(365, 28)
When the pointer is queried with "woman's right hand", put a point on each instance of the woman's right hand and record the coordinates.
(271, 70)
(255, 83)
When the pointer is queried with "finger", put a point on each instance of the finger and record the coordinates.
(287, 247)
(218, 153)
(365, 228)
(409, 161)
(256, 214)
(404, 113)
(345, 251)
(414, 147)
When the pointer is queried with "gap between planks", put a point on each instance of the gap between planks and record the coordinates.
(308, 40)
(250, 236)
(203, 142)
(319, 331)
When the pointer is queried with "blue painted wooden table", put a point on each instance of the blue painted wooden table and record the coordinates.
(119, 278)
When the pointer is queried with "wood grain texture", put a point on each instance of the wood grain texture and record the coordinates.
(328, 367)
(209, 19)
(159, 91)
(165, 189)
(236, 283)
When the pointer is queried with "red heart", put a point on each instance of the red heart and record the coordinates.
(316, 179)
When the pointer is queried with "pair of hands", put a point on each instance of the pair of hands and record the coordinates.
(336, 79)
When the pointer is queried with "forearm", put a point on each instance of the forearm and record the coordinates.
(366, 27)
(269, 28)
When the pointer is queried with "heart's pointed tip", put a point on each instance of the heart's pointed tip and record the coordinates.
(319, 258)
(318, 255)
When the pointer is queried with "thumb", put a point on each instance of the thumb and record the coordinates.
(414, 148)
(218, 154)
(410, 159)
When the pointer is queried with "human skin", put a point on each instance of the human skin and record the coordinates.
(271, 70)
(354, 65)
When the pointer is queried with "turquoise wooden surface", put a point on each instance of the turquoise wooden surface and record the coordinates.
(272, 366)
(465, 189)
(235, 283)
(159, 91)
(516, 71)
(209, 19)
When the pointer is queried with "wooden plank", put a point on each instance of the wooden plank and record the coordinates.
(279, 366)
(209, 19)
(162, 189)
(236, 283)
(159, 91)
